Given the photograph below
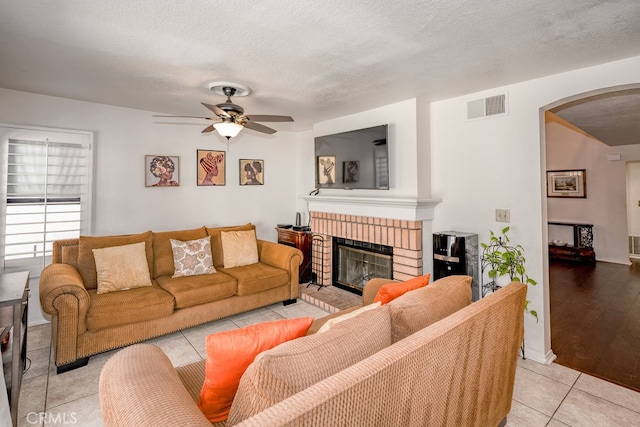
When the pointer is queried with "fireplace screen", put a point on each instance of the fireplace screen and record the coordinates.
(356, 263)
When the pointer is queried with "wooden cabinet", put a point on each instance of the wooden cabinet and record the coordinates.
(300, 240)
(14, 301)
(581, 250)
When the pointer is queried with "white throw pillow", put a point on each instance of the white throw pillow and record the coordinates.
(332, 322)
(239, 248)
(193, 257)
(121, 267)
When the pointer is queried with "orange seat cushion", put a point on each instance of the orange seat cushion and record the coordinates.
(229, 354)
(391, 291)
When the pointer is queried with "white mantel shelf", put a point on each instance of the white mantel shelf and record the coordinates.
(382, 207)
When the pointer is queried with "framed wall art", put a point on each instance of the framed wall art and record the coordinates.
(211, 167)
(162, 171)
(350, 171)
(251, 172)
(326, 170)
(567, 183)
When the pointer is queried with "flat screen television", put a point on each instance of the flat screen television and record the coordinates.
(358, 159)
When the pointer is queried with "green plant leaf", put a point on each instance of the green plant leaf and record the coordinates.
(499, 258)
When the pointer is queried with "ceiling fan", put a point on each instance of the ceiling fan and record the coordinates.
(230, 116)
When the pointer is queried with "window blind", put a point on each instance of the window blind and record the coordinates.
(46, 199)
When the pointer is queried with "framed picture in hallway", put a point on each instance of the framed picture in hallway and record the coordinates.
(567, 183)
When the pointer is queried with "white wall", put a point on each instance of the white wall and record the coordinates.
(479, 166)
(605, 205)
(633, 197)
(122, 203)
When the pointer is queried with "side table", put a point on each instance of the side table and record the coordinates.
(300, 240)
(582, 248)
(14, 301)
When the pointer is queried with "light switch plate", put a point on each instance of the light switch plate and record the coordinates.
(503, 215)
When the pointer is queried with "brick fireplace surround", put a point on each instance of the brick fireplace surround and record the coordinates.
(405, 237)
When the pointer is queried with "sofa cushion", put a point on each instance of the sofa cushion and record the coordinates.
(195, 290)
(70, 254)
(239, 248)
(86, 261)
(192, 258)
(132, 306)
(346, 316)
(257, 277)
(216, 241)
(230, 353)
(162, 252)
(421, 307)
(121, 267)
(319, 323)
(296, 365)
(391, 291)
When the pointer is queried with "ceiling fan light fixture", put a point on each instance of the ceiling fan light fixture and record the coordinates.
(228, 129)
(219, 88)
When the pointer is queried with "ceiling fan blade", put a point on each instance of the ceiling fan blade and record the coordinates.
(260, 128)
(268, 118)
(185, 117)
(209, 128)
(219, 111)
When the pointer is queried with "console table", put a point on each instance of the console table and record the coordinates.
(300, 240)
(14, 301)
(582, 248)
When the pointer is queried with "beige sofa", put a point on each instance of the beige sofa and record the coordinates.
(428, 358)
(85, 323)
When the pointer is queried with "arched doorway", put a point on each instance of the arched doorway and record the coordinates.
(591, 307)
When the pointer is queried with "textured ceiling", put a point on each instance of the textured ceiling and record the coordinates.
(612, 118)
(311, 60)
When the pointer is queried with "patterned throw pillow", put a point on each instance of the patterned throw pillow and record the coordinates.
(193, 257)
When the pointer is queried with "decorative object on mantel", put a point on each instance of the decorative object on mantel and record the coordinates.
(230, 117)
(504, 263)
(567, 183)
(211, 167)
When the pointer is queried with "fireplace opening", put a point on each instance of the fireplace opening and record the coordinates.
(355, 263)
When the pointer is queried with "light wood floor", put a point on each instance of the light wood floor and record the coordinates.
(595, 319)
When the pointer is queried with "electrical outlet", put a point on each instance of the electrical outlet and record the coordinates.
(503, 215)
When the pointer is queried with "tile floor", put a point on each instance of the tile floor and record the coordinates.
(544, 395)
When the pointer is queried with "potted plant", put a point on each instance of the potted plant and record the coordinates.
(505, 263)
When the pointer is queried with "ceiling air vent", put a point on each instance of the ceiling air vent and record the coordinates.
(491, 106)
